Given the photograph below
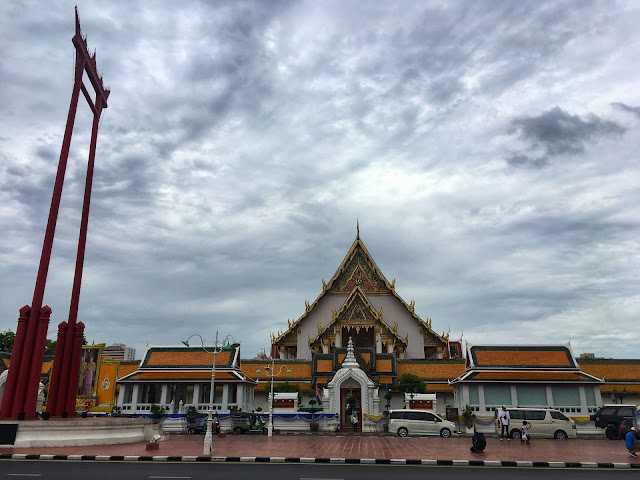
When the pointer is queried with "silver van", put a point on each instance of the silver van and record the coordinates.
(545, 423)
(418, 422)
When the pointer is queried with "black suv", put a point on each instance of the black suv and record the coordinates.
(610, 417)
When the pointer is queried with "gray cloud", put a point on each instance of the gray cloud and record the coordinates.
(243, 139)
(627, 108)
(556, 132)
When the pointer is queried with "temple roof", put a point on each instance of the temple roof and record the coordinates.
(524, 364)
(358, 269)
(190, 357)
(520, 356)
(184, 364)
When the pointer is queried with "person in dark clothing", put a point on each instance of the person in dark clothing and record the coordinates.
(479, 443)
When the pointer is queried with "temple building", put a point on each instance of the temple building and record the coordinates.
(359, 302)
(526, 376)
(348, 349)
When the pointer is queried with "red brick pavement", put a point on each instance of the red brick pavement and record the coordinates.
(349, 446)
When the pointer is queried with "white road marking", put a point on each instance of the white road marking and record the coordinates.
(24, 475)
(155, 476)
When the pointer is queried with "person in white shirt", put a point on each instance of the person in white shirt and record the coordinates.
(503, 421)
(526, 432)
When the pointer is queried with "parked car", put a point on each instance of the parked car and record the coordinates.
(545, 423)
(610, 417)
(418, 422)
(625, 427)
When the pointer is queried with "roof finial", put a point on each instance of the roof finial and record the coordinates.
(350, 359)
(357, 228)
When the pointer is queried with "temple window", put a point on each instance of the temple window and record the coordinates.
(149, 393)
(430, 353)
(128, 394)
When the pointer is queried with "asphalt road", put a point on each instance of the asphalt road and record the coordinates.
(66, 470)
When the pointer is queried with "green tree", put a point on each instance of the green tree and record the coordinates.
(408, 382)
(8, 338)
(50, 347)
(6, 341)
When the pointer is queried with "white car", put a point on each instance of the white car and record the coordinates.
(418, 422)
(545, 423)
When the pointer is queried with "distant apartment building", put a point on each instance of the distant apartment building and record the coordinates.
(119, 351)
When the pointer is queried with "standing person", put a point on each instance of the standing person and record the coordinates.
(526, 432)
(503, 421)
(632, 443)
(354, 421)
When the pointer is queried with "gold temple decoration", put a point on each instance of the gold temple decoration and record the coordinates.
(309, 337)
(334, 313)
(324, 285)
(307, 306)
(319, 328)
(289, 322)
(394, 329)
(412, 305)
(393, 284)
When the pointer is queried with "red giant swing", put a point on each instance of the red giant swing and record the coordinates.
(21, 389)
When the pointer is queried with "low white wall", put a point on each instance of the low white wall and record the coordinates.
(85, 431)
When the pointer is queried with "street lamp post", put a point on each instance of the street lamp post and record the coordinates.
(412, 392)
(616, 395)
(273, 374)
(208, 437)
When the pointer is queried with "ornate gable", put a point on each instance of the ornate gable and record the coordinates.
(358, 270)
(356, 313)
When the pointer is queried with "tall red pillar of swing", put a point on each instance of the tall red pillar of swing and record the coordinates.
(68, 355)
(21, 388)
(55, 373)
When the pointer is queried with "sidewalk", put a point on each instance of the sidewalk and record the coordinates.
(344, 446)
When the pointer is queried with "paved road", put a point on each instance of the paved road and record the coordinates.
(12, 469)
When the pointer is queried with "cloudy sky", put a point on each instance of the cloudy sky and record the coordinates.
(489, 150)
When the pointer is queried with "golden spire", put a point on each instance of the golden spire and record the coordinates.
(357, 228)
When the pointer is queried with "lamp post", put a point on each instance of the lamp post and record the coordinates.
(208, 438)
(412, 391)
(273, 374)
(616, 395)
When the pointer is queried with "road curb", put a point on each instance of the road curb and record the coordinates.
(361, 461)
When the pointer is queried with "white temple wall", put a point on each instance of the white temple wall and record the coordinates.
(393, 311)
(321, 313)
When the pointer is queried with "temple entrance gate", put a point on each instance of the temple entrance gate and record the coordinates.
(350, 402)
(348, 381)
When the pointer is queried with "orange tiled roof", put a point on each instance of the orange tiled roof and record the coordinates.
(46, 366)
(126, 369)
(298, 370)
(439, 387)
(612, 370)
(446, 369)
(302, 385)
(521, 356)
(186, 358)
(173, 375)
(533, 376)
